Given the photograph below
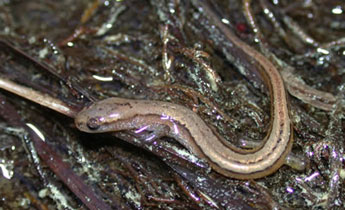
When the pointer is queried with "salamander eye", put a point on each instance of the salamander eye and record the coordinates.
(93, 123)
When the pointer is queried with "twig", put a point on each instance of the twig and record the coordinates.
(37, 97)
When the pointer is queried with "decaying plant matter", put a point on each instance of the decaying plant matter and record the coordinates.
(73, 53)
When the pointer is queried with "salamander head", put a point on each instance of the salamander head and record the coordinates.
(101, 116)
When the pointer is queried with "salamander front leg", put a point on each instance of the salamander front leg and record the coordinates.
(153, 132)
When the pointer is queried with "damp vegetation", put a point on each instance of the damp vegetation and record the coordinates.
(58, 57)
